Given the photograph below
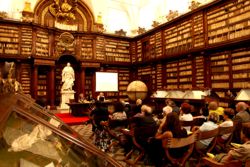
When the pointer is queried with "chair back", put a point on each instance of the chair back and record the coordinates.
(170, 143)
(207, 135)
(179, 142)
(226, 130)
(187, 123)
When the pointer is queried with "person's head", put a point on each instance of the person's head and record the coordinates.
(213, 105)
(245, 132)
(172, 123)
(241, 106)
(167, 110)
(119, 107)
(146, 110)
(228, 113)
(101, 94)
(127, 108)
(81, 96)
(214, 117)
(68, 64)
(186, 108)
(138, 102)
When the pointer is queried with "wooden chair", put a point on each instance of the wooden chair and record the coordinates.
(108, 127)
(212, 163)
(187, 123)
(222, 131)
(206, 135)
(136, 147)
(170, 143)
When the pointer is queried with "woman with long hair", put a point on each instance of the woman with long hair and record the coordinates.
(170, 128)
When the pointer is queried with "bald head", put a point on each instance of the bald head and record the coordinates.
(241, 106)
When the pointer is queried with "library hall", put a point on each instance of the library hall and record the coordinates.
(124, 83)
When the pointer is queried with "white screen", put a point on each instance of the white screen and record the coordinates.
(106, 82)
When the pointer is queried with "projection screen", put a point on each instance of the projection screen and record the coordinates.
(106, 82)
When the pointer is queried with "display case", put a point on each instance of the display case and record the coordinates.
(243, 95)
(31, 136)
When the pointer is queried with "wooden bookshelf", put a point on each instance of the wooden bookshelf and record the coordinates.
(123, 77)
(26, 40)
(199, 71)
(117, 51)
(139, 51)
(9, 39)
(58, 85)
(133, 51)
(220, 74)
(42, 43)
(185, 73)
(100, 48)
(228, 21)
(178, 38)
(42, 82)
(155, 45)
(172, 75)
(241, 68)
(26, 78)
(159, 76)
(87, 48)
(88, 85)
(198, 31)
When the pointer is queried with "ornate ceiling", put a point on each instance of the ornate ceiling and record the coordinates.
(117, 14)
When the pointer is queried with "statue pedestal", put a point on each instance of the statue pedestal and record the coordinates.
(66, 96)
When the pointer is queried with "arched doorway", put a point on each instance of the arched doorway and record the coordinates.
(60, 64)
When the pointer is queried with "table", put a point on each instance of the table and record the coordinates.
(79, 109)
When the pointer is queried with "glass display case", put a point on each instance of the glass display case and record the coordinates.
(31, 136)
(243, 95)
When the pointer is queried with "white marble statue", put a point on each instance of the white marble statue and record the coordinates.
(68, 78)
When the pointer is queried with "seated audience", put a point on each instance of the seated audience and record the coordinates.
(211, 124)
(242, 152)
(185, 114)
(171, 128)
(227, 117)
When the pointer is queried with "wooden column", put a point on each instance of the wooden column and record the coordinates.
(83, 78)
(35, 81)
(52, 87)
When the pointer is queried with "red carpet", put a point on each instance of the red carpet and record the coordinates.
(72, 120)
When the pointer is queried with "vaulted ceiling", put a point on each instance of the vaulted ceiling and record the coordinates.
(117, 14)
